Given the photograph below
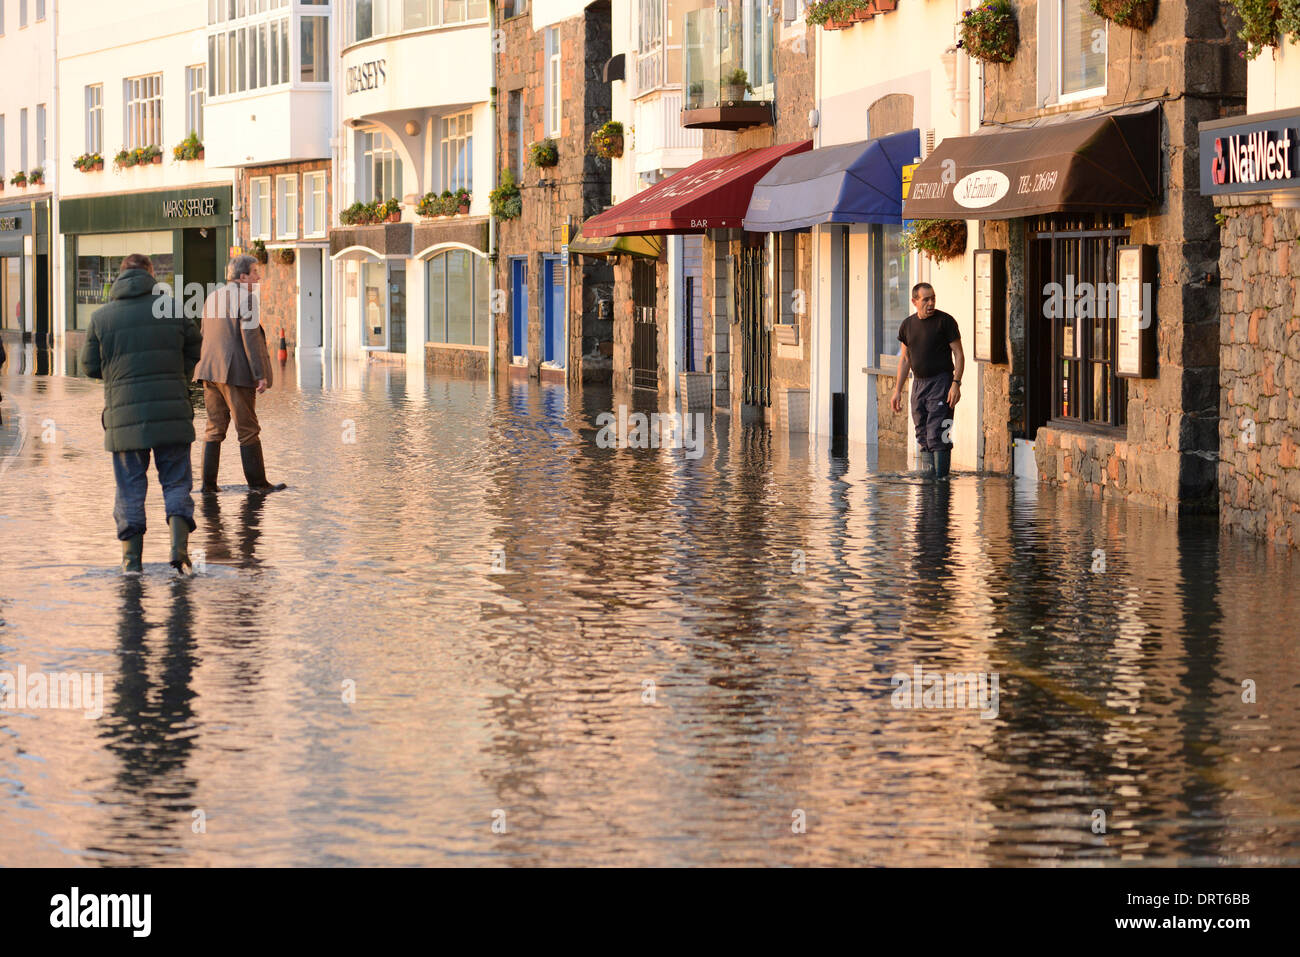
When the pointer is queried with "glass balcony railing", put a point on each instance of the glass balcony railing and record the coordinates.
(728, 58)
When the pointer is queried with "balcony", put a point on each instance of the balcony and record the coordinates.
(728, 68)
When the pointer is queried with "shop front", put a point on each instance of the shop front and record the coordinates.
(1098, 372)
(185, 232)
(24, 270)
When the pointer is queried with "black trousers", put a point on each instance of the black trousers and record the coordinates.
(931, 414)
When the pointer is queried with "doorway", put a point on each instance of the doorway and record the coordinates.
(756, 336)
(397, 307)
(519, 307)
(310, 291)
(553, 310)
(645, 328)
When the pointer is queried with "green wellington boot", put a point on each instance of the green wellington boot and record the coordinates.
(925, 459)
(180, 559)
(133, 555)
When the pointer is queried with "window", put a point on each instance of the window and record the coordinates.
(95, 118)
(99, 260)
(552, 81)
(142, 116)
(1077, 253)
(380, 176)
(22, 14)
(254, 54)
(22, 139)
(195, 97)
(457, 152)
(40, 10)
(893, 289)
(314, 49)
(315, 214)
(40, 135)
(757, 46)
(286, 207)
(2, 138)
(515, 132)
(378, 18)
(1083, 49)
(457, 311)
(259, 207)
(649, 45)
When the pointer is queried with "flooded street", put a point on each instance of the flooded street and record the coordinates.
(464, 612)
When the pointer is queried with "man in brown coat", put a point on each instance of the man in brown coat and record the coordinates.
(235, 368)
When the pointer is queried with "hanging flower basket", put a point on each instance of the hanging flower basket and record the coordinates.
(505, 201)
(939, 238)
(544, 153)
(258, 249)
(989, 32)
(1134, 14)
(1265, 22)
(284, 256)
(607, 142)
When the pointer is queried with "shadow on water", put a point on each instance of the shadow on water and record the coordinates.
(465, 605)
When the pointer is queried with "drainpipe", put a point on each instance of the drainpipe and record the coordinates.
(492, 222)
(54, 311)
(962, 97)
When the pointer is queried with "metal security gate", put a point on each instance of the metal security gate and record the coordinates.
(756, 336)
(645, 331)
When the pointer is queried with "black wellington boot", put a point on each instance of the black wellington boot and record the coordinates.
(942, 461)
(211, 463)
(180, 559)
(925, 459)
(255, 468)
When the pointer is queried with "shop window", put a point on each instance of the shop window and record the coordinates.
(457, 311)
(95, 118)
(1073, 268)
(99, 260)
(143, 111)
(286, 207)
(458, 152)
(892, 284)
(11, 292)
(553, 92)
(315, 215)
(259, 207)
(1072, 65)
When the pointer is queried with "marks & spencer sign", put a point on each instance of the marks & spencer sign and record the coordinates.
(1251, 154)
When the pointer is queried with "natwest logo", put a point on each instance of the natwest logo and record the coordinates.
(1253, 157)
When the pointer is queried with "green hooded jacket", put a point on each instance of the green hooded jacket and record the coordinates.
(145, 358)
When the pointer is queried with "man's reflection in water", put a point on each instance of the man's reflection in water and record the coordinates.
(216, 537)
(150, 725)
(932, 549)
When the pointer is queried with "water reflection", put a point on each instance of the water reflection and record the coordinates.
(632, 655)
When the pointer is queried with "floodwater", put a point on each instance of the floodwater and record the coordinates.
(467, 634)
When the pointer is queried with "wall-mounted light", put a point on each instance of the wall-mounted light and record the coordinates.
(411, 127)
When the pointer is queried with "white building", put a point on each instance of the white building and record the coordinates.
(414, 118)
(132, 83)
(27, 143)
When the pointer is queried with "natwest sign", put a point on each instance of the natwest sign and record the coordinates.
(1251, 154)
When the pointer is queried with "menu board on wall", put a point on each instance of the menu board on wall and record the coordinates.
(990, 305)
(1135, 323)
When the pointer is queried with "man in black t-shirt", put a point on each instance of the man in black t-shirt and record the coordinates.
(932, 350)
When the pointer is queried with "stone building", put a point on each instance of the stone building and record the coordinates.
(1249, 164)
(551, 95)
(1084, 175)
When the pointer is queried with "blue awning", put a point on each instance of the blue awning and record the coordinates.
(852, 183)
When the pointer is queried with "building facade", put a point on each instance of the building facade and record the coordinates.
(132, 171)
(414, 126)
(1248, 164)
(28, 142)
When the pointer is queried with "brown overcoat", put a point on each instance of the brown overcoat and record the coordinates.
(234, 344)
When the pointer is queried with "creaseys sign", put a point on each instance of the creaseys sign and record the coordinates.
(1258, 155)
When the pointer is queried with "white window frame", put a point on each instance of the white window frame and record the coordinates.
(315, 206)
(457, 129)
(552, 82)
(766, 56)
(286, 206)
(142, 125)
(94, 118)
(22, 138)
(259, 207)
(1051, 57)
(196, 95)
(375, 148)
(42, 115)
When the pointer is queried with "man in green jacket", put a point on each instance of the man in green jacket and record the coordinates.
(145, 350)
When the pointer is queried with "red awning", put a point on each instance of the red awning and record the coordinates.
(710, 194)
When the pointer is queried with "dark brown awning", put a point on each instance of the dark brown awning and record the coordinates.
(1103, 163)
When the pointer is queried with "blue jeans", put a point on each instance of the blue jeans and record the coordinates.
(130, 470)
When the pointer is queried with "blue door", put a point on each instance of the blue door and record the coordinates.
(519, 307)
(553, 310)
